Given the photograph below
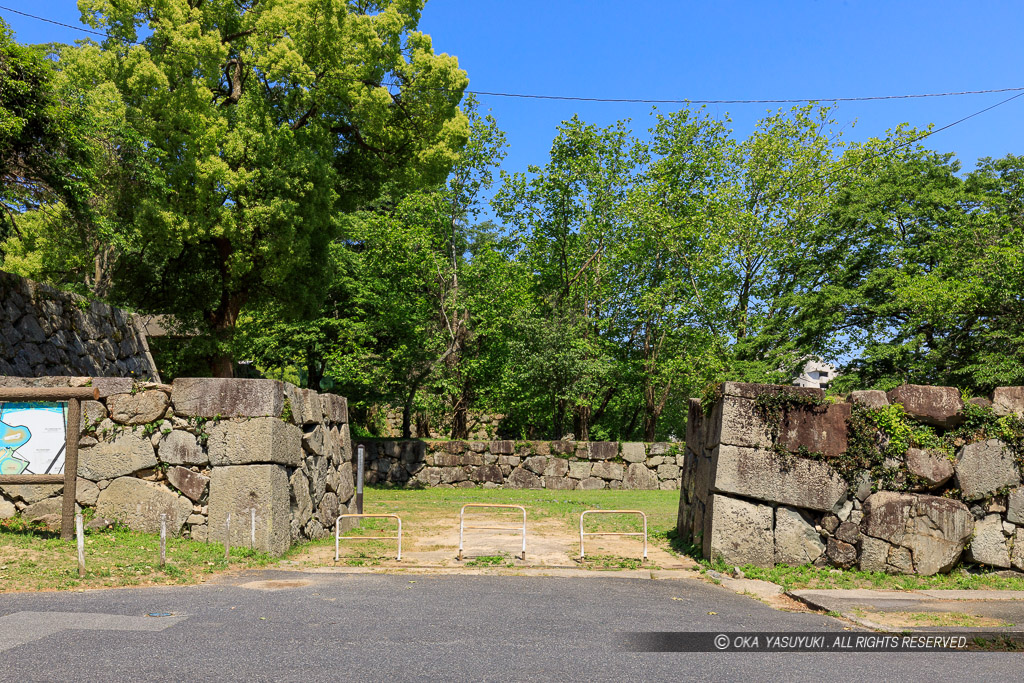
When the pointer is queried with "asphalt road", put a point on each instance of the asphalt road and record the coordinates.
(400, 627)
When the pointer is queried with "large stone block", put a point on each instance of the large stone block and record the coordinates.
(181, 448)
(129, 452)
(819, 429)
(31, 493)
(335, 407)
(734, 421)
(1008, 401)
(937, 406)
(237, 489)
(260, 440)
(634, 452)
(870, 398)
(989, 545)
(138, 504)
(607, 470)
(580, 470)
(1015, 507)
(639, 477)
(212, 397)
(694, 427)
(49, 509)
(307, 408)
(796, 541)
(108, 386)
(932, 529)
(984, 467)
(302, 501)
(933, 467)
(752, 391)
(556, 467)
(523, 479)
(488, 473)
(136, 409)
(739, 532)
(559, 483)
(602, 450)
(591, 484)
(765, 475)
(502, 447)
(190, 483)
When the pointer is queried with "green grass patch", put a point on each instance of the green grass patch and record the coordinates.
(33, 558)
(792, 578)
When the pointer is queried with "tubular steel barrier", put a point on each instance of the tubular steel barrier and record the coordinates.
(462, 523)
(611, 533)
(338, 538)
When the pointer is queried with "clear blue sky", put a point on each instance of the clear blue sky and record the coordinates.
(717, 50)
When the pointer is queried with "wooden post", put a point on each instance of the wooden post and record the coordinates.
(74, 396)
(72, 433)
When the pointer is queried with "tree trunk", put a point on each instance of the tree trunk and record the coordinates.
(314, 370)
(222, 321)
(581, 423)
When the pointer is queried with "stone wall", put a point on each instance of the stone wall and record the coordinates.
(764, 488)
(523, 464)
(44, 331)
(201, 449)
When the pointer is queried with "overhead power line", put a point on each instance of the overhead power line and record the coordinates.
(780, 101)
(629, 100)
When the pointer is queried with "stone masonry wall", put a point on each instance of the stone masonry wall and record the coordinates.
(524, 464)
(44, 331)
(763, 493)
(201, 449)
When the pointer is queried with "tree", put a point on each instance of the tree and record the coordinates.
(924, 275)
(269, 121)
(400, 309)
(45, 155)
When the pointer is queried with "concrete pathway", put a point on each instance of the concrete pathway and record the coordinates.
(927, 610)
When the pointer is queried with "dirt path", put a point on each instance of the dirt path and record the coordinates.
(433, 541)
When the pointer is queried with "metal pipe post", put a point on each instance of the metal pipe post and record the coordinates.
(227, 536)
(163, 540)
(80, 533)
(361, 461)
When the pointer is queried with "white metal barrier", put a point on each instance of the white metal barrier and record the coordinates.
(610, 533)
(462, 523)
(338, 538)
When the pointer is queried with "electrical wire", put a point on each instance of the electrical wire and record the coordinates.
(624, 100)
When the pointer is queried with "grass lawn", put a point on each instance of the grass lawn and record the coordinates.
(791, 578)
(426, 506)
(33, 558)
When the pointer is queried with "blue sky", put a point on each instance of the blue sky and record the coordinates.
(717, 50)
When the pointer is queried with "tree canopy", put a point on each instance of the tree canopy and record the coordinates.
(300, 185)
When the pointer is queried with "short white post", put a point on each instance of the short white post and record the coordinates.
(227, 536)
(252, 531)
(163, 540)
(80, 535)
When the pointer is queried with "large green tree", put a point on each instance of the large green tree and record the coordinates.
(269, 121)
(45, 149)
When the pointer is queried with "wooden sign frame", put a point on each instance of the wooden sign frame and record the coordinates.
(74, 397)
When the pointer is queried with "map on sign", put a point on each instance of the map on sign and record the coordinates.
(32, 438)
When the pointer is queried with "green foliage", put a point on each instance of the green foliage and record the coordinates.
(264, 125)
